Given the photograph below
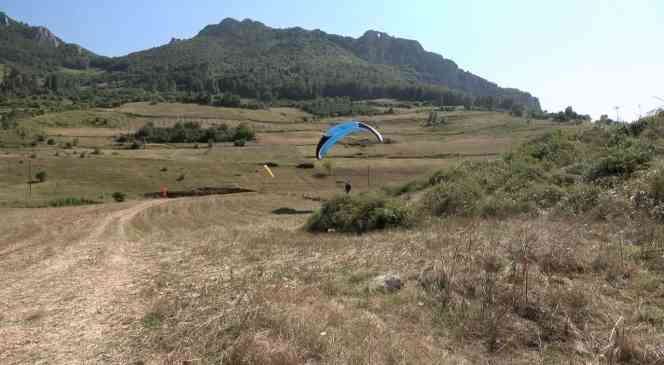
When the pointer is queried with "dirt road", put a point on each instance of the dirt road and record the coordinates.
(67, 289)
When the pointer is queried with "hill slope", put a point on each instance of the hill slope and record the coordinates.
(251, 56)
(253, 60)
(37, 49)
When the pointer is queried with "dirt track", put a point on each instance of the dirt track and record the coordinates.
(63, 305)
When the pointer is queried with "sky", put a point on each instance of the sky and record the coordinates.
(594, 55)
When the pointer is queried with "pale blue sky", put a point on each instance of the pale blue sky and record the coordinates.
(592, 54)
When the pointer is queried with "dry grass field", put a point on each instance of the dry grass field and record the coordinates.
(225, 280)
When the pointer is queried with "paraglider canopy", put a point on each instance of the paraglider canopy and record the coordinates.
(338, 132)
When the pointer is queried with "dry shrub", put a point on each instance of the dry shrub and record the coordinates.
(561, 260)
(623, 348)
(262, 348)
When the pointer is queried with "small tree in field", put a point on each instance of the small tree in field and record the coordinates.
(41, 176)
(119, 197)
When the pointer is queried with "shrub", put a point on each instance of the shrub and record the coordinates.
(454, 198)
(50, 142)
(580, 199)
(70, 201)
(119, 196)
(96, 151)
(359, 214)
(502, 206)
(193, 133)
(68, 146)
(244, 132)
(620, 160)
(41, 176)
(656, 186)
(239, 143)
(554, 147)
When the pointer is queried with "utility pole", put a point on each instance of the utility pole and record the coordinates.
(617, 108)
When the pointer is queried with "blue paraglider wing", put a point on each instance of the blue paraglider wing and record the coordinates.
(338, 132)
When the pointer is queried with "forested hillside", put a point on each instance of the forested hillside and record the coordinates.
(37, 50)
(245, 59)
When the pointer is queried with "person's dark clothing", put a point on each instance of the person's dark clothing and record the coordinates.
(347, 187)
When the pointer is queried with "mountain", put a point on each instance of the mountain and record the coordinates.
(253, 60)
(249, 50)
(37, 49)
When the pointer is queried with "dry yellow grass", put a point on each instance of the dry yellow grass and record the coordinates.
(176, 110)
(224, 280)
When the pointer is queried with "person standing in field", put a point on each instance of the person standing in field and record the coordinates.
(347, 187)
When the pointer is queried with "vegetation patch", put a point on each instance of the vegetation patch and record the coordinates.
(359, 213)
(191, 132)
(70, 202)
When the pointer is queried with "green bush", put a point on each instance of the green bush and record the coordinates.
(244, 132)
(239, 143)
(119, 196)
(359, 213)
(70, 201)
(555, 147)
(621, 160)
(50, 142)
(41, 176)
(454, 198)
(502, 206)
(191, 132)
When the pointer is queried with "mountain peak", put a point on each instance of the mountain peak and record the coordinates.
(374, 34)
(231, 26)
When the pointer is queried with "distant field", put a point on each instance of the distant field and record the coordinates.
(176, 110)
(283, 137)
(99, 118)
(86, 72)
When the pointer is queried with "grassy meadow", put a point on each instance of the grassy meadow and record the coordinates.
(283, 137)
(515, 241)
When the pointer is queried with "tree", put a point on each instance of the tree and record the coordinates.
(517, 110)
(119, 197)
(41, 176)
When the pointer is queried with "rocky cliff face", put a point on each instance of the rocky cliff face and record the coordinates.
(46, 37)
(381, 48)
(37, 49)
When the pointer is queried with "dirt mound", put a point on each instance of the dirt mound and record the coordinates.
(200, 192)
